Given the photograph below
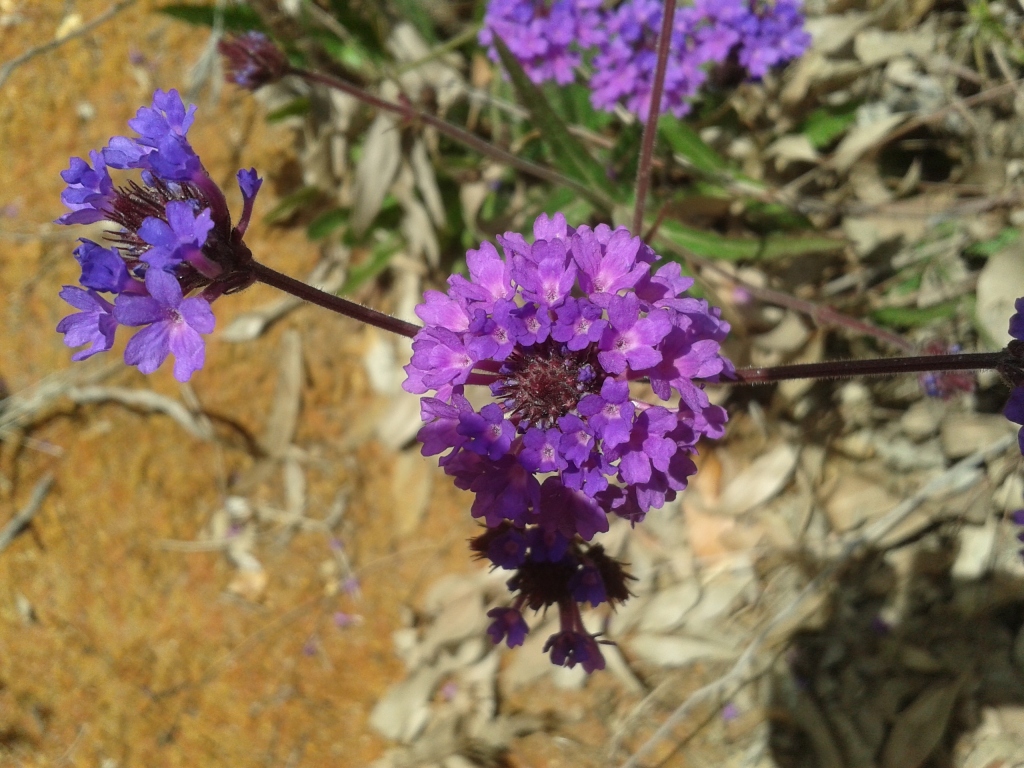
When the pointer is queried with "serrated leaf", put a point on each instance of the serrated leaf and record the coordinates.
(711, 245)
(237, 18)
(567, 152)
(299, 106)
(326, 223)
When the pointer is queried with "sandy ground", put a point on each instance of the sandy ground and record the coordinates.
(115, 650)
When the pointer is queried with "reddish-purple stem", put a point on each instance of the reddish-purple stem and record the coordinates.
(643, 172)
(299, 289)
(835, 369)
(454, 132)
(889, 366)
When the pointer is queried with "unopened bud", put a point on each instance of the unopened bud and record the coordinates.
(253, 60)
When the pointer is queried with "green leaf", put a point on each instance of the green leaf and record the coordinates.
(380, 257)
(237, 18)
(987, 248)
(567, 153)
(711, 245)
(687, 142)
(357, 19)
(299, 106)
(350, 53)
(414, 12)
(823, 125)
(326, 223)
(289, 204)
(913, 317)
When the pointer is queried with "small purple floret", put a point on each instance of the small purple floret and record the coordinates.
(508, 625)
(94, 325)
(173, 326)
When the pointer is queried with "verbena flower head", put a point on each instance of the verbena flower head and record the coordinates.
(557, 330)
(173, 250)
(758, 35)
(545, 36)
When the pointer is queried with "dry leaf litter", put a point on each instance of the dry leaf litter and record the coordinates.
(839, 586)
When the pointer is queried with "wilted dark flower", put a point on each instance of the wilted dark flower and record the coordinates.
(252, 59)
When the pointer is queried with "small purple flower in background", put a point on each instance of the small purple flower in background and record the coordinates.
(760, 35)
(556, 331)
(1014, 409)
(546, 36)
(1018, 519)
(174, 250)
(705, 34)
(252, 60)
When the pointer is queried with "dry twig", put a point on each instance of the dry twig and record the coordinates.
(20, 521)
(31, 53)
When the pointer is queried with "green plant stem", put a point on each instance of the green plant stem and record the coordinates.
(454, 132)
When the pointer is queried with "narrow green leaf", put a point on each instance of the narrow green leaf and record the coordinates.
(326, 223)
(986, 248)
(567, 152)
(711, 245)
(823, 125)
(289, 204)
(378, 261)
(298, 106)
(237, 18)
(687, 142)
(913, 317)
(414, 12)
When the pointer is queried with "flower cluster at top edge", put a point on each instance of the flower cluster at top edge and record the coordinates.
(553, 38)
(557, 330)
(173, 249)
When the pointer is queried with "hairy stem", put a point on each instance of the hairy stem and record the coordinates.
(272, 277)
(819, 313)
(889, 366)
(643, 173)
(454, 132)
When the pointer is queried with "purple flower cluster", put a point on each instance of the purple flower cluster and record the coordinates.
(551, 38)
(546, 36)
(1014, 410)
(174, 238)
(557, 330)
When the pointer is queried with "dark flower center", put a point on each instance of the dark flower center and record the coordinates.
(133, 204)
(544, 382)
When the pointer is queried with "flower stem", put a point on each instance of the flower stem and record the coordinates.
(890, 366)
(275, 279)
(643, 173)
(454, 132)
